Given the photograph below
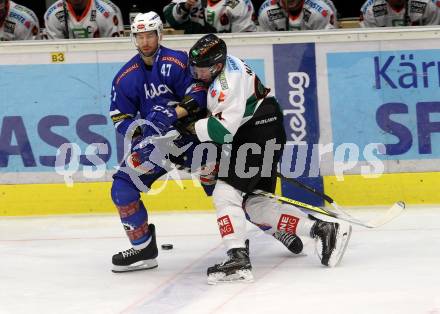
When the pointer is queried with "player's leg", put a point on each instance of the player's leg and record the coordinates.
(232, 225)
(332, 236)
(134, 218)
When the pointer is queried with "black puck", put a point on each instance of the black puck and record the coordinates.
(167, 246)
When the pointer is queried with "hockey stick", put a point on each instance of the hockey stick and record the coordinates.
(389, 215)
(322, 195)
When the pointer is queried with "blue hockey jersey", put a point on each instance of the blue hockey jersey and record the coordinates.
(138, 87)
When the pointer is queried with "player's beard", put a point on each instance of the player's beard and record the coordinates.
(148, 51)
(148, 56)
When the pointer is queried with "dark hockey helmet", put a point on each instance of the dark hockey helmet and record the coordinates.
(207, 51)
(205, 55)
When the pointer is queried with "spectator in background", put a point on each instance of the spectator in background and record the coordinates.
(212, 16)
(17, 22)
(290, 15)
(385, 13)
(83, 19)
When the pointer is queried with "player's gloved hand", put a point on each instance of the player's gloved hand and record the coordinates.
(159, 120)
(190, 105)
(186, 125)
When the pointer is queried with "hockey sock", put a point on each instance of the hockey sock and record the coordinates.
(132, 212)
(230, 215)
(267, 212)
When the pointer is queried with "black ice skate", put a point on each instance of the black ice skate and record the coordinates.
(290, 240)
(131, 260)
(237, 267)
(334, 237)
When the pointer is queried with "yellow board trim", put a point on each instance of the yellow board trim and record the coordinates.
(412, 188)
(86, 198)
(94, 198)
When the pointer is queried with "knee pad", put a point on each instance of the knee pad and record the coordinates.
(124, 192)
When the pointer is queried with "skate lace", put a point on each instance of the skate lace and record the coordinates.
(130, 252)
(284, 237)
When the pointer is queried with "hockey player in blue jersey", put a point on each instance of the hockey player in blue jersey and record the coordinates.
(156, 86)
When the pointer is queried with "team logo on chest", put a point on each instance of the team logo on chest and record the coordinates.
(152, 92)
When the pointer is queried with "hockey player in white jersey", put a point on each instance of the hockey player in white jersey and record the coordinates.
(244, 114)
(291, 15)
(83, 19)
(17, 22)
(214, 16)
(389, 13)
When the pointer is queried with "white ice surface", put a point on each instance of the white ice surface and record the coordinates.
(62, 265)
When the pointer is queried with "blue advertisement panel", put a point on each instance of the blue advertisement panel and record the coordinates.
(392, 96)
(296, 90)
(47, 105)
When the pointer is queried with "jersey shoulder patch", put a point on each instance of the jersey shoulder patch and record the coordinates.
(9, 26)
(314, 6)
(379, 9)
(114, 7)
(232, 3)
(177, 57)
(366, 5)
(26, 11)
(266, 4)
(128, 69)
(104, 9)
(232, 65)
(418, 7)
(56, 7)
(275, 14)
(20, 17)
(307, 13)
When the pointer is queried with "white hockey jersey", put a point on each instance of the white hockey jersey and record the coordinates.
(316, 14)
(226, 16)
(20, 23)
(101, 18)
(233, 98)
(378, 13)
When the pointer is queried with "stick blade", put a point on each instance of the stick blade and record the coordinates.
(391, 213)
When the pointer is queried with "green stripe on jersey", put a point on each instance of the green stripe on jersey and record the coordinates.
(251, 103)
(217, 131)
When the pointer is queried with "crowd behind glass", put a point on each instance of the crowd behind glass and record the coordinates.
(64, 19)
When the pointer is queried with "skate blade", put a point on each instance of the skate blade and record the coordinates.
(341, 246)
(141, 265)
(239, 276)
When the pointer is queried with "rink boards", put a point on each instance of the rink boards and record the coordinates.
(364, 105)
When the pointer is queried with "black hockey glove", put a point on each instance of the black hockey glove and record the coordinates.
(190, 105)
(185, 125)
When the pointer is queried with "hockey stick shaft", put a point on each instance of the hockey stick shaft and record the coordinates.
(306, 187)
(315, 209)
(389, 215)
(320, 194)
